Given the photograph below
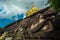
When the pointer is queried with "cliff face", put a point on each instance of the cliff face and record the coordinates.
(47, 27)
(33, 26)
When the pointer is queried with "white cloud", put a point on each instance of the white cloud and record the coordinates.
(14, 7)
(26, 3)
(15, 19)
(11, 10)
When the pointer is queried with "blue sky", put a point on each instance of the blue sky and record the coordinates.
(13, 10)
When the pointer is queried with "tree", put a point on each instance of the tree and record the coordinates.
(55, 4)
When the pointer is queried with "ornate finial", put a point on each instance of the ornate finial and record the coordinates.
(33, 4)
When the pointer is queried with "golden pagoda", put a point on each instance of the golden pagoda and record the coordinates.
(32, 10)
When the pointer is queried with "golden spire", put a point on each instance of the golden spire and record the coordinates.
(32, 10)
(33, 4)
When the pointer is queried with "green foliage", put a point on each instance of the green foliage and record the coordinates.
(55, 4)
